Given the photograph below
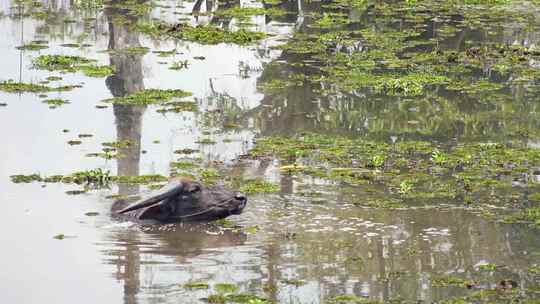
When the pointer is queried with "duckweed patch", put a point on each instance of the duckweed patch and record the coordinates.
(527, 215)
(10, 86)
(56, 102)
(64, 63)
(258, 186)
(149, 96)
(95, 177)
(54, 78)
(244, 13)
(412, 173)
(213, 35)
(60, 62)
(350, 299)
(293, 282)
(32, 46)
(178, 107)
(98, 71)
(204, 34)
(197, 285)
(226, 287)
(451, 281)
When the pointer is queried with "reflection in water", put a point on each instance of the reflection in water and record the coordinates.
(179, 241)
(127, 79)
(335, 249)
(306, 104)
(308, 232)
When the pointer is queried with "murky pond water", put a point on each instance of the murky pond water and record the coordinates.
(445, 83)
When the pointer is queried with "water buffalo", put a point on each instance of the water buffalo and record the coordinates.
(184, 199)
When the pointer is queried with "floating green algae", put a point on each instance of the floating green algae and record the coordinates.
(197, 285)
(10, 86)
(213, 35)
(351, 299)
(93, 70)
(55, 102)
(149, 96)
(204, 34)
(178, 107)
(60, 62)
(96, 177)
(226, 287)
(66, 63)
(32, 46)
(411, 173)
(244, 13)
(258, 186)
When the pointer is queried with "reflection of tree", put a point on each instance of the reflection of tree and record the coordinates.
(126, 79)
(401, 261)
(181, 242)
(312, 105)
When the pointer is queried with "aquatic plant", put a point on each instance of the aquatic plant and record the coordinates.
(99, 71)
(178, 107)
(226, 287)
(197, 285)
(11, 86)
(243, 13)
(66, 63)
(204, 34)
(56, 102)
(148, 97)
(258, 186)
(60, 62)
(32, 46)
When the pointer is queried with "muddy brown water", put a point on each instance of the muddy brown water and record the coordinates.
(333, 247)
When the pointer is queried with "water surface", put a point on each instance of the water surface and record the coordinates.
(307, 243)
